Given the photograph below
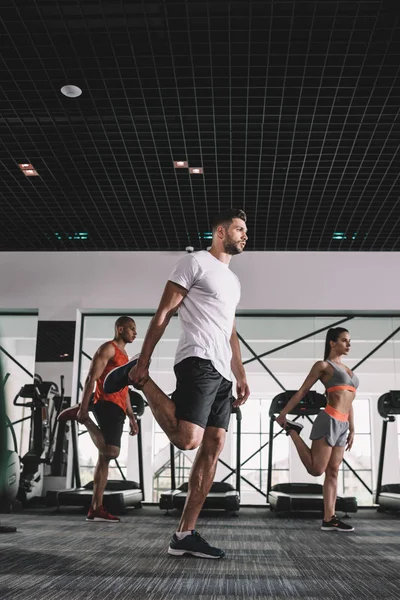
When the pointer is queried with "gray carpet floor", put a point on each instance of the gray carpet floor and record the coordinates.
(58, 556)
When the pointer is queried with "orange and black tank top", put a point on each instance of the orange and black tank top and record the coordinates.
(120, 358)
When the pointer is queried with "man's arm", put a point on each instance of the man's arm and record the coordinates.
(242, 389)
(170, 301)
(105, 353)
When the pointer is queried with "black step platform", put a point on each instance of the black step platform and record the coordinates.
(389, 497)
(222, 496)
(118, 496)
(305, 497)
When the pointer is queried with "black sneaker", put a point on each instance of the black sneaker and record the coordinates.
(118, 378)
(195, 545)
(336, 525)
(293, 426)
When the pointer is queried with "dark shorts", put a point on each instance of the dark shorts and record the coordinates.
(110, 418)
(202, 395)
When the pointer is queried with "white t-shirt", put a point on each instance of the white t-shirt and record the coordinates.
(207, 312)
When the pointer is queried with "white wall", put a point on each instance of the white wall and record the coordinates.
(58, 283)
(61, 285)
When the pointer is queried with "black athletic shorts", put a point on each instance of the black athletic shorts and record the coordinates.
(202, 395)
(110, 418)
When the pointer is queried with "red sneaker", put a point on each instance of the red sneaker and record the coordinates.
(101, 514)
(69, 414)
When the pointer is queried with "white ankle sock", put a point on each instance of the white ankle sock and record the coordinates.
(182, 534)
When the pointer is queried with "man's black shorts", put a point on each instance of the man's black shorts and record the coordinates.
(202, 395)
(110, 418)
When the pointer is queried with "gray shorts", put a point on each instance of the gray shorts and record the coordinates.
(335, 432)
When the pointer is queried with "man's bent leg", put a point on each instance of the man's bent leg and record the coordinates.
(183, 434)
(202, 476)
(96, 435)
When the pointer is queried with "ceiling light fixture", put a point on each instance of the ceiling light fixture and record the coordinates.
(72, 236)
(71, 91)
(339, 235)
(28, 170)
(196, 170)
(180, 164)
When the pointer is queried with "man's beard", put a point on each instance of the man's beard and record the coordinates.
(231, 248)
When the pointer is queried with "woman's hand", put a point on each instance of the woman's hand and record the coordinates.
(281, 420)
(350, 440)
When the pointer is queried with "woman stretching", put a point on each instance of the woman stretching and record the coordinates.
(333, 429)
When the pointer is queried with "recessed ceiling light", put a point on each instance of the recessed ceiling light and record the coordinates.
(72, 236)
(71, 91)
(28, 170)
(180, 164)
(196, 170)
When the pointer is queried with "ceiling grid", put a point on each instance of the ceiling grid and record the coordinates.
(290, 107)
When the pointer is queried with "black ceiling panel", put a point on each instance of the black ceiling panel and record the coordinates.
(291, 108)
(55, 341)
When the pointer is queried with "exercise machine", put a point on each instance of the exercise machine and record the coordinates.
(222, 496)
(387, 496)
(45, 402)
(297, 497)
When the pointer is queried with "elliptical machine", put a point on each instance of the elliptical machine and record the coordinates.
(45, 402)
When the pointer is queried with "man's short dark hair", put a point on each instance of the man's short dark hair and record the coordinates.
(226, 217)
(121, 321)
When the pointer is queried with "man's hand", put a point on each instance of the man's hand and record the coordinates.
(134, 428)
(281, 420)
(350, 440)
(82, 415)
(242, 393)
(138, 375)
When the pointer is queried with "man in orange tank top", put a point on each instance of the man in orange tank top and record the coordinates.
(110, 411)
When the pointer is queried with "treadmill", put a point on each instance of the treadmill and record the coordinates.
(119, 494)
(222, 495)
(299, 497)
(387, 496)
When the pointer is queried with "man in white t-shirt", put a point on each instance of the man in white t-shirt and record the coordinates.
(206, 292)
